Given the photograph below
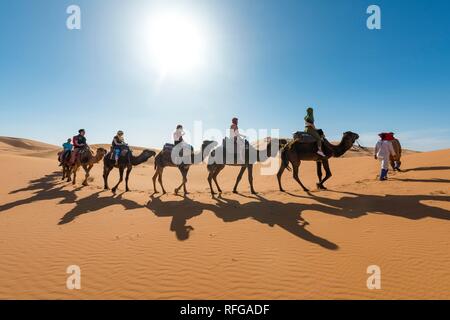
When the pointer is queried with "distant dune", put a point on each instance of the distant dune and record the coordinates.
(294, 245)
(43, 150)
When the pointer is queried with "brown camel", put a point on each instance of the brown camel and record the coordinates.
(127, 161)
(396, 160)
(85, 159)
(299, 150)
(164, 159)
(216, 165)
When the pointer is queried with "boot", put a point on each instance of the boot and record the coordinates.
(383, 175)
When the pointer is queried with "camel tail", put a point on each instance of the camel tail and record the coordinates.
(284, 159)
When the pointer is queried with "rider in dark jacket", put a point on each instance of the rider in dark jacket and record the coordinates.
(79, 143)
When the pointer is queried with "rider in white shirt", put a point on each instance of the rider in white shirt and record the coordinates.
(178, 135)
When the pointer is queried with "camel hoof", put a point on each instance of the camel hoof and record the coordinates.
(235, 191)
(282, 190)
(254, 192)
(321, 187)
(113, 190)
(306, 190)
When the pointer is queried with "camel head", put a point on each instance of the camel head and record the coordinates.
(147, 154)
(101, 152)
(99, 155)
(349, 138)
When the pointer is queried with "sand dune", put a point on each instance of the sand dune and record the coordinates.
(293, 245)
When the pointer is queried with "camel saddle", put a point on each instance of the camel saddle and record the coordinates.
(305, 137)
(168, 147)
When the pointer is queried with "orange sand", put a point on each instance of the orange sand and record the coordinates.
(275, 245)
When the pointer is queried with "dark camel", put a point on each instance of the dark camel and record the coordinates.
(125, 161)
(164, 159)
(215, 168)
(296, 151)
(85, 159)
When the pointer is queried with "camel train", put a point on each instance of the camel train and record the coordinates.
(301, 148)
(310, 145)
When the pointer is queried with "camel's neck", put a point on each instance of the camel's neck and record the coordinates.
(135, 161)
(340, 149)
(98, 157)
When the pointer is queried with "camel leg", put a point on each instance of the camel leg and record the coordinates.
(183, 172)
(319, 175)
(250, 178)
(87, 170)
(129, 168)
(279, 175)
(74, 169)
(328, 174)
(210, 184)
(155, 176)
(295, 168)
(215, 181)
(121, 170)
(69, 173)
(182, 181)
(185, 181)
(106, 172)
(241, 173)
(160, 179)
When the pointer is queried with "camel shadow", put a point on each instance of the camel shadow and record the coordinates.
(180, 211)
(433, 180)
(94, 202)
(437, 168)
(354, 205)
(45, 188)
(271, 213)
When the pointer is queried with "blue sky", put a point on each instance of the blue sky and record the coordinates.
(266, 61)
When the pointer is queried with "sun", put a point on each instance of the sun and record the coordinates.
(176, 44)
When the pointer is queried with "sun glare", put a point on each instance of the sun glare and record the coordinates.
(176, 44)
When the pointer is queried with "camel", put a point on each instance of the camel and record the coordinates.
(164, 159)
(125, 161)
(396, 160)
(86, 159)
(299, 150)
(65, 167)
(214, 168)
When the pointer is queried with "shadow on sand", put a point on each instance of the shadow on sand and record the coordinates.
(437, 168)
(287, 216)
(268, 212)
(45, 188)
